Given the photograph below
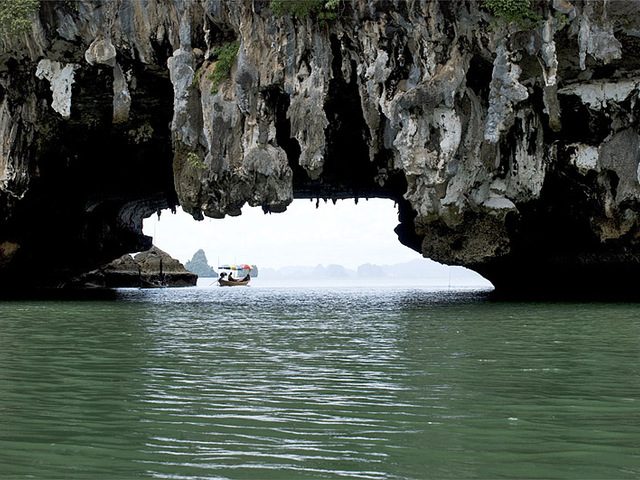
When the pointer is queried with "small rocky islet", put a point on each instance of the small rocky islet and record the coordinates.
(153, 268)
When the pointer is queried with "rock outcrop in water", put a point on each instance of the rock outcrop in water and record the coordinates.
(511, 148)
(151, 269)
(200, 266)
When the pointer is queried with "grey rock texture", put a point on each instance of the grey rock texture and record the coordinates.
(511, 149)
(158, 268)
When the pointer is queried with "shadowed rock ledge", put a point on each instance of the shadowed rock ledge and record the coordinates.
(151, 269)
(510, 147)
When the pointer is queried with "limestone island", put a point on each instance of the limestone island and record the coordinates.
(151, 269)
(506, 131)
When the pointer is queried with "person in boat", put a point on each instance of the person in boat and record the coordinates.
(246, 278)
(222, 275)
(230, 277)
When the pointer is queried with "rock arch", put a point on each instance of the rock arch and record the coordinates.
(511, 149)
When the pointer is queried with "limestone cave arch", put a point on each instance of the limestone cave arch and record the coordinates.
(510, 148)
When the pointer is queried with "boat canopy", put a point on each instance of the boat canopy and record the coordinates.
(241, 268)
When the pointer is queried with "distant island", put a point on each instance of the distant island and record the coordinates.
(200, 266)
(419, 270)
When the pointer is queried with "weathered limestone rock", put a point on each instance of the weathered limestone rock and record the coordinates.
(121, 96)
(505, 91)
(151, 269)
(158, 268)
(61, 79)
(102, 51)
(510, 148)
(596, 37)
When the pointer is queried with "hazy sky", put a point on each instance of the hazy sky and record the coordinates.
(344, 233)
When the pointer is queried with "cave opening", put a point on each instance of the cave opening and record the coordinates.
(90, 178)
(314, 241)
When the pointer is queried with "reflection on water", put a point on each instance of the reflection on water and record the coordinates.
(317, 383)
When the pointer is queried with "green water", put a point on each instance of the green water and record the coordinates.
(318, 383)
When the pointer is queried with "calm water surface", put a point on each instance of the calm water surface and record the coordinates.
(318, 383)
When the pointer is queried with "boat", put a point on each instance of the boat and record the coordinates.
(243, 273)
(233, 283)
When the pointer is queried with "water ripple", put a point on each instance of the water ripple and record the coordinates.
(325, 383)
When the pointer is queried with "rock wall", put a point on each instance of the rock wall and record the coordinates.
(510, 147)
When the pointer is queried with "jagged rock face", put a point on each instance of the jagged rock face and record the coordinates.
(513, 150)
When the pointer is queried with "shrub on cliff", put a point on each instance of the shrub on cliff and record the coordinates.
(518, 11)
(16, 15)
(194, 160)
(226, 56)
(322, 9)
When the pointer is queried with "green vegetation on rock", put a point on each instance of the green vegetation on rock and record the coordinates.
(16, 15)
(195, 161)
(562, 20)
(518, 11)
(225, 57)
(322, 9)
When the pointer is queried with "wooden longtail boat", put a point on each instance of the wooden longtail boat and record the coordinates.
(244, 272)
(233, 283)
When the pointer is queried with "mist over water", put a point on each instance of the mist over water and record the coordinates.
(318, 382)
